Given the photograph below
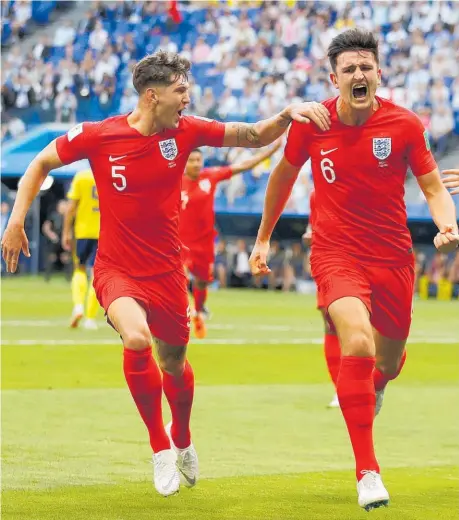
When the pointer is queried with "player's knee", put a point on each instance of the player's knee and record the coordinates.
(359, 343)
(390, 367)
(172, 359)
(200, 284)
(139, 339)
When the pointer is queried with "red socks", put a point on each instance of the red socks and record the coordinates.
(179, 392)
(144, 381)
(381, 380)
(356, 394)
(200, 296)
(332, 356)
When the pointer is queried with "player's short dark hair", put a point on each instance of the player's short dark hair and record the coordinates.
(197, 150)
(352, 40)
(160, 68)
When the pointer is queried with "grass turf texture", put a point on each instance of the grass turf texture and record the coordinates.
(74, 447)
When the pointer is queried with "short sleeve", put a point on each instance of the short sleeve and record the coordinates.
(420, 158)
(296, 150)
(77, 142)
(207, 132)
(222, 173)
(75, 188)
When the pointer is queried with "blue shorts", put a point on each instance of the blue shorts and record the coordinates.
(86, 251)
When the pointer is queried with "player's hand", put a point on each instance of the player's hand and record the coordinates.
(451, 181)
(14, 240)
(66, 241)
(258, 258)
(312, 111)
(446, 240)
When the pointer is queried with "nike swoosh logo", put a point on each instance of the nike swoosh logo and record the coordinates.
(191, 481)
(323, 152)
(113, 159)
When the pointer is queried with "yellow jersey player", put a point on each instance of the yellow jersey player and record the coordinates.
(83, 209)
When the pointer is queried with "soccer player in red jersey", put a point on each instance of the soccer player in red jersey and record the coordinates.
(362, 254)
(197, 222)
(332, 349)
(138, 161)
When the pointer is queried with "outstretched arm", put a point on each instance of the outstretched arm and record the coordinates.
(266, 131)
(442, 209)
(452, 180)
(253, 161)
(14, 239)
(279, 187)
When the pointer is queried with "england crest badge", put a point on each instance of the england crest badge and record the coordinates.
(382, 147)
(168, 149)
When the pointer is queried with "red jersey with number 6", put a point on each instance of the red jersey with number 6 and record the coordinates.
(197, 221)
(359, 181)
(139, 182)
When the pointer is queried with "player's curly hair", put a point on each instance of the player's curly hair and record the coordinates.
(352, 40)
(160, 68)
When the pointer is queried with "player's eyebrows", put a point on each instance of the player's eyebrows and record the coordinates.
(182, 88)
(364, 65)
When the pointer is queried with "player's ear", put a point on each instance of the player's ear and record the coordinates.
(334, 79)
(152, 95)
(379, 77)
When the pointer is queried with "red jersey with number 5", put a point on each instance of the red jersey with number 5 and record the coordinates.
(139, 182)
(197, 222)
(359, 181)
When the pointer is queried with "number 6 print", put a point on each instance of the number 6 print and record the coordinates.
(326, 166)
(121, 184)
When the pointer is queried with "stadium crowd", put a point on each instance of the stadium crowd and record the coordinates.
(247, 61)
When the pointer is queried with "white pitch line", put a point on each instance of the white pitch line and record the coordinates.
(418, 336)
(208, 341)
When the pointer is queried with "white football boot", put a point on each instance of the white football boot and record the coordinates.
(371, 491)
(187, 461)
(77, 314)
(334, 403)
(379, 400)
(166, 476)
(90, 324)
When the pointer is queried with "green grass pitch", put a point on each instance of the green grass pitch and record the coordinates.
(74, 448)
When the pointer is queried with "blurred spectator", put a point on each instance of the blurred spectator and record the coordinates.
(221, 264)
(98, 37)
(22, 13)
(66, 105)
(295, 267)
(276, 263)
(437, 269)
(128, 101)
(201, 51)
(43, 48)
(240, 268)
(64, 34)
(441, 126)
(16, 127)
(52, 231)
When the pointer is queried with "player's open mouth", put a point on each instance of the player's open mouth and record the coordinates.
(359, 91)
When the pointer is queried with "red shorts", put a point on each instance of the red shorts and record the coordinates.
(387, 292)
(200, 263)
(164, 298)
